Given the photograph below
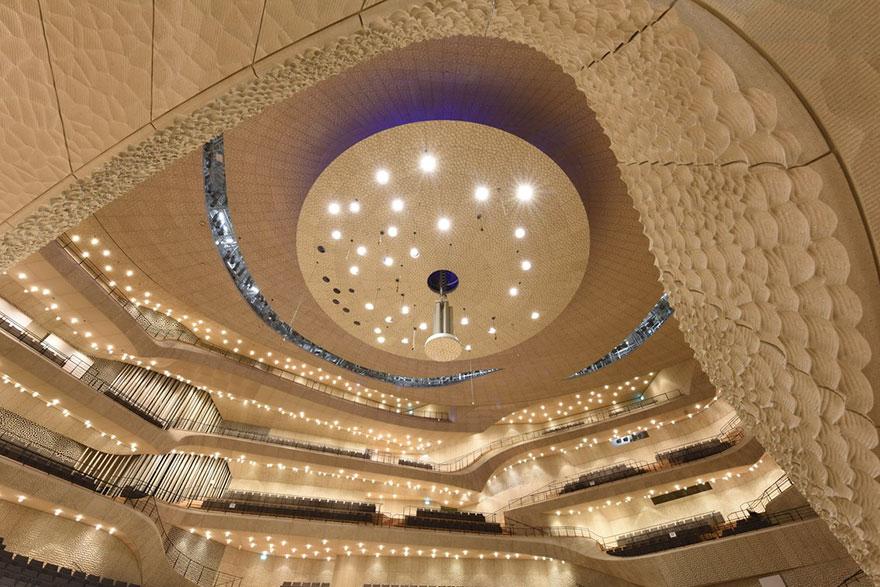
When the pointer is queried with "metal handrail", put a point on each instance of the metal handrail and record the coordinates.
(762, 501)
(185, 336)
(556, 488)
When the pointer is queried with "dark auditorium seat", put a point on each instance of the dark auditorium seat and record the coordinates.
(18, 571)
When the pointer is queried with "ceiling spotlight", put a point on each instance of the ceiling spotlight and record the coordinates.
(354, 207)
(404, 340)
(428, 163)
(377, 330)
(404, 309)
(526, 265)
(464, 321)
(333, 208)
(387, 261)
(444, 223)
(382, 176)
(397, 205)
(362, 250)
(423, 326)
(336, 235)
(467, 347)
(369, 305)
(519, 232)
(481, 193)
(94, 241)
(414, 253)
(492, 330)
(524, 192)
(388, 319)
(535, 315)
(392, 231)
(514, 291)
(380, 339)
(353, 270)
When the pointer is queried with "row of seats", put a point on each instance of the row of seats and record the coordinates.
(304, 584)
(418, 464)
(295, 500)
(287, 511)
(693, 452)
(292, 442)
(668, 536)
(601, 476)
(18, 570)
(452, 520)
(452, 525)
(451, 515)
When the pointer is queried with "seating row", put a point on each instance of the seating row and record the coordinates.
(295, 500)
(601, 476)
(692, 452)
(453, 525)
(304, 584)
(447, 514)
(19, 570)
(418, 464)
(288, 511)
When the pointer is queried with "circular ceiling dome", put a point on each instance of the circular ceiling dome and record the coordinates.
(404, 202)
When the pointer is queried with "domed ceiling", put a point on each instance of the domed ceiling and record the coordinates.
(488, 206)
(286, 166)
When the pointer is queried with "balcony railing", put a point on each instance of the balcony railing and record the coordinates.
(187, 337)
(142, 495)
(623, 470)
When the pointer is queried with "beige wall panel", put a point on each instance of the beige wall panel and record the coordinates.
(32, 153)
(287, 21)
(66, 543)
(197, 43)
(101, 58)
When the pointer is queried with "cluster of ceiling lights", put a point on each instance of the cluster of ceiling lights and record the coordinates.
(428, 164)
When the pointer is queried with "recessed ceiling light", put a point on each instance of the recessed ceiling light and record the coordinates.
(353, 270)
(382, 176)
(388, 319)
(481, 193)
(535, 315)
(362, 250)
(404, 340)
(519, 232)
(423, 326)
(387, 261)
(404, 309)
(380, 339)
(467, 347)
(354, 207)
(526, 265)
(514, 291)
(333, 208)
(22, 276)
(414, 253)
(392, 231)
(444, 223)
(377, 330)
(524, 192)
(464, 321)
(492, 330)
(428, 163)
(95, 241)
(369, 305)
(397, 205)
(336, 235)
(75, 238)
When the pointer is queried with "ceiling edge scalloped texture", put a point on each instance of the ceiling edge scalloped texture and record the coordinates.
(746, 253)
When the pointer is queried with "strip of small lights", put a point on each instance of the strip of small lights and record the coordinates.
(60, 513)
(56, 405)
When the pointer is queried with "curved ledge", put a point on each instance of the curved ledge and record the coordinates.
(217, 205)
